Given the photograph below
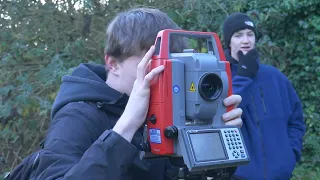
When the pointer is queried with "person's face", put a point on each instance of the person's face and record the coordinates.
(128, 73)
(243, 40)
(125, 73)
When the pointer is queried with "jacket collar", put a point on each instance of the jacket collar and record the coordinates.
(229, 58)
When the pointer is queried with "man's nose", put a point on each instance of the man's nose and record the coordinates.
(245, 39)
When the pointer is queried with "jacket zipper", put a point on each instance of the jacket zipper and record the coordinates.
(262, 99)
(262, 144)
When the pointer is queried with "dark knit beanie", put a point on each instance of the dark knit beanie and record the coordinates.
(235, 22)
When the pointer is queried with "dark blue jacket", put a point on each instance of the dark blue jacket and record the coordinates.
(80, 143)
(273, 123)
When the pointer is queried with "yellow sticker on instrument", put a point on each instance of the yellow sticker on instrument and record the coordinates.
(192, 87)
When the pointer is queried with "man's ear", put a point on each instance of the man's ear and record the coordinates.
(111, 64)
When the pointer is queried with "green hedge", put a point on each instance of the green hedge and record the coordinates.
(39, 43)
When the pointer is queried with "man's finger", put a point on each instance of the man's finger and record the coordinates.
(148, 67)
(233, 114)
(234, 100)
(236, 122)
(141, 68)
(153, 73)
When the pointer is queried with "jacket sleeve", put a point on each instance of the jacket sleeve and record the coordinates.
(296, 124)
(72, 152)
(241, 86)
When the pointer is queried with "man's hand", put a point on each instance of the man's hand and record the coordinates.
(233, 117)
(138, 104)
(248, 63)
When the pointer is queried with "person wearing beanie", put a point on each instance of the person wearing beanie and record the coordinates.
(273, 123)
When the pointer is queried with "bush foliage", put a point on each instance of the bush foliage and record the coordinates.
(41, 42)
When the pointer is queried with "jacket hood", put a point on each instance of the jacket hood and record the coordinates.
(87, 83)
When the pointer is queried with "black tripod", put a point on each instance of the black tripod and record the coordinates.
(181, 172)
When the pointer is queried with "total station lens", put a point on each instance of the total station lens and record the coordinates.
(210, 86)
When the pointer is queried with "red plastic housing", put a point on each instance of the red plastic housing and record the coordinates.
(161, 104)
